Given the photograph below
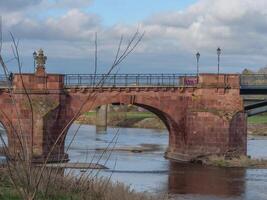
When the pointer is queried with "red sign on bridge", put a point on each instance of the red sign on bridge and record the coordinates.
(190, 81)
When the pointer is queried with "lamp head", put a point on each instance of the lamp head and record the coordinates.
(34, 54)
(219, 51)
(198, 55)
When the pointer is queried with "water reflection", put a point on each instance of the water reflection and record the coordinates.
(210, 181)
(3, 135)
(149, 171)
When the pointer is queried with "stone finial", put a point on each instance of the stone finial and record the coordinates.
(40, 60)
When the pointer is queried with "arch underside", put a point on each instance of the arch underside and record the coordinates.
(164, 117)
(158, 104)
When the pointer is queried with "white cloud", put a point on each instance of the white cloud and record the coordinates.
(238, 26)
(14, 5)
(70, 3)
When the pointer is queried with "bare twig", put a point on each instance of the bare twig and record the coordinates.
(16, 55)
(96, 52)
(1, 34)
(34, 179)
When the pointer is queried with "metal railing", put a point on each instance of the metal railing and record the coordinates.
(253, 80)
(257, 81)
(4, 81)
(130, 80)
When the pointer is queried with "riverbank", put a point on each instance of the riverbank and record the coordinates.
(69, 188)
(126, 120)
(239, 162)
(257, 125)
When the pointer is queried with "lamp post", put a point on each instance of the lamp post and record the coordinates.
(197, 56)
(219, 52)
(34, 58)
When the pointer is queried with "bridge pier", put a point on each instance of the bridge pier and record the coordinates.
(102, 119)
(214, 124)
(207, 134)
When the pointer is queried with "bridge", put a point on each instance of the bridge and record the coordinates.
(204, 114)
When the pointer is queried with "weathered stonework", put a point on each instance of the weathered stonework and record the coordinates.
(203, 120)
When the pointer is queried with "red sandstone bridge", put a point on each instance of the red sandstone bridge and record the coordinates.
(205, 114)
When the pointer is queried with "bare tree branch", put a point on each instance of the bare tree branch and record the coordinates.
(17, 56)
(96, 52)
(1, 34)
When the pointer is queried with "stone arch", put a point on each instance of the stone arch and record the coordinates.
(149, 104)
(9, 130)
(164, 117)
(6, 132)
(161, 114)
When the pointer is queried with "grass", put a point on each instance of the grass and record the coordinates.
(129, 115)
(69, 188)
(131, 119)
(8, 194)
(138, 115)
(258, 119)
(254, 120)
(90, 114)
(257, 125)
(242, 162)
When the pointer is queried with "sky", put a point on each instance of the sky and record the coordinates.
(174, 31)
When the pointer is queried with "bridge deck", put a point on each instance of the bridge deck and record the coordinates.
(249, 84)
(130, 80)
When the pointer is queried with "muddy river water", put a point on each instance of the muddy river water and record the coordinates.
(149, 171)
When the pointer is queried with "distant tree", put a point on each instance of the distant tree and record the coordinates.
(263, 70)
(247, 71)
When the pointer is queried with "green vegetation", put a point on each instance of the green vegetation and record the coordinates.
(129, 115)
(132, 119)
(70, 188)
(90, 114)
(242, 161)
(139, 115)
(258, 119)
(257, 125)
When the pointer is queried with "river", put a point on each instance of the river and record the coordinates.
(149, 171)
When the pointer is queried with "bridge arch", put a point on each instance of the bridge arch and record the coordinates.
(151, 104)
(80, 137)
(164, 117)
(4, 137)
(8, 128)
(7, 137)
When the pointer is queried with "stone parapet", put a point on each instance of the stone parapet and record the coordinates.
(37, 82)
(221, 80)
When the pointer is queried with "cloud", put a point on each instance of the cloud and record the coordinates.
(14, 5)
(238, 26)
(70, 3)
(74, 25)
